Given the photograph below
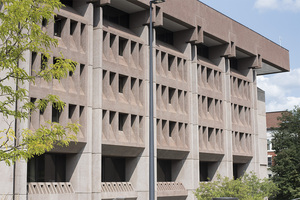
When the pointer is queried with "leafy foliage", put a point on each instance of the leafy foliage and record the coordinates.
(247, 187)
(286, 143)
(21, 32)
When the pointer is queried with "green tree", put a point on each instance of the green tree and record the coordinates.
(20, 33)
(247, 187)
(286, 143)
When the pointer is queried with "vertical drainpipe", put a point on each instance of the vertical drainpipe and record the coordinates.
(16, 137)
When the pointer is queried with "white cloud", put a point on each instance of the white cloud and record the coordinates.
(289, 5)
(282, 90)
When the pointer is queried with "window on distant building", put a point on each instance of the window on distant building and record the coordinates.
(269, 144)
(270, 161)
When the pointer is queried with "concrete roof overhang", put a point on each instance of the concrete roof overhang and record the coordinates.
(213, 28)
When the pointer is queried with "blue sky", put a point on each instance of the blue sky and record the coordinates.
(278, 20)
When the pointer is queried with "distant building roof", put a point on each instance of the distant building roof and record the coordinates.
(272, 121)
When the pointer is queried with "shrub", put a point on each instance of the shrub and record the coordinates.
(247, 187)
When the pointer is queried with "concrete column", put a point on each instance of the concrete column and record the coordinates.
(138, 167)
(97, 102)
(226, 166)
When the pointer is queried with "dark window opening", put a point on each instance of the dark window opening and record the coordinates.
(269, 161)
(171, 94)
(164, 35)
(208, 74)
(55, 114)
(163, 124)
(203, 50)
(210, 133)
(71, 110)
(33, 58)
(82, 27)
(207, 170)
(111, 77)
(171, 128)
(73, 25)
(71, 73)
(57, 26)
(209, 104)
(44, 22)
(81, 110)
(67, 2)
(47, 168)
(42, 110)
(133, 81)
(113, 169)
(116, 16)
(204, 171)
(122, 121)
(170, 62)
(234, 63)
(164, 170)
(111, 116)
(44, 61)
(122, 83)
(122, 45)
(32, 100)
(132, 47)
(133, 118)
(81, 69)
(111, 40)
(238, 170)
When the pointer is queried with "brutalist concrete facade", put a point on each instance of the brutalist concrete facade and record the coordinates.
(209, 114)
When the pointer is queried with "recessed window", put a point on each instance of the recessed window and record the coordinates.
(171, 94)
(113, 169)
(233, 63)
(44, 22)
(73, 25)
(81, 110)
(132, 46)
(210, 134)
(47, 168)
(122, 83)
(55, 114)
(111, 40)
(58, 26)
(164, 35)
(111, 117)
(133, 81)
(67, 2)
(44, 62)
(116, 16)
(112, 76)
(209, 104)
(133, 118)
(202, 51)
(171, 128)
(71, 110)
(122, 46)
(164, 170)
(170, 62)
(122, 120)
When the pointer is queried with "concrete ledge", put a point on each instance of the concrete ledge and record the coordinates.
(51, 191)
(115, 190)
(170, 189)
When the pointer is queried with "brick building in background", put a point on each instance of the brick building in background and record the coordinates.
(209, 113)
(272, 122)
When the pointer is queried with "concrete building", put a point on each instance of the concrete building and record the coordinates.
(209, 113)
(272, 122)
